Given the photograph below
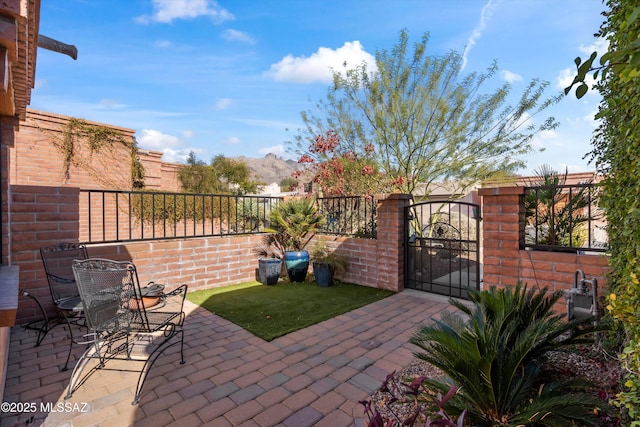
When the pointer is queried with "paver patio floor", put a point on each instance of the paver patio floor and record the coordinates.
(312, 377)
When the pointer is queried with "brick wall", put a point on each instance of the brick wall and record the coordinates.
(506, 262)
(7, 126)
(377, 263)
(159, 175)
(38, 159)
(44, 216)
(47, 215)
(40, 216)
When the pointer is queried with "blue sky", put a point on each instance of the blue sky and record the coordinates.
(231, 77)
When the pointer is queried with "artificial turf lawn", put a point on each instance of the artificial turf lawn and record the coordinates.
(272, 311)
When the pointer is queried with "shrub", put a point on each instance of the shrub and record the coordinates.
(492, 352)
(294, 222)
(426, 406)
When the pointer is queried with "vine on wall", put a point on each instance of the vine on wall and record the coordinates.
(98, 139)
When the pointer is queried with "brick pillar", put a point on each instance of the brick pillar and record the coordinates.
(503, 224)
(390, 242)
(40, 216)
(8, 126)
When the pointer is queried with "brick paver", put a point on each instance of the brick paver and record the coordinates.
(231, 378)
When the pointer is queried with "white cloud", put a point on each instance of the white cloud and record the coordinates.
(580, 121)
(172, 148)
(275, 149)
(591, 118)
(510, 77)
(235, 35)
(164, 44)
(40, 83)
(233, 140)
(155, 140)
(544, 139)
(600, 45)
(166, 11)
(485, 14)
(110, 104)
(177, 156)
(566, 76)
(224, 103)
(318, 67)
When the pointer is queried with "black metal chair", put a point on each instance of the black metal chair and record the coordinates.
(125, 321)
(57, 260)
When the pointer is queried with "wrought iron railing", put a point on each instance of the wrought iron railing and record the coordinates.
(349, 216)
(565, 218)
(108, 216)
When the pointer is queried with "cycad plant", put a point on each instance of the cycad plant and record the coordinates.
(491, 352)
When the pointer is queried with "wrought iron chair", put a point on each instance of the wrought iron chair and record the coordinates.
(57, 261)
(125, 321)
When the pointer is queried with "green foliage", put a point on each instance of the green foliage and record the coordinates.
(492, 353)
(623, 57)
(288, 183)
(171, 208)
(222, 176)
(252, 212)
(424, 120)
(233, 175)
(137, 170)
(294, 222)
(617, 154)
(197, 177)
(558, 216)
(320, 253)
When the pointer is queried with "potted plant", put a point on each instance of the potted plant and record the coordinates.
(293, 223)
(269, 270)
(326, 264)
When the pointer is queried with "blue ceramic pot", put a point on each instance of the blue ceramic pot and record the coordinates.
(297, 264)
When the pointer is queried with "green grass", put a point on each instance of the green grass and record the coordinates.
(272, 311)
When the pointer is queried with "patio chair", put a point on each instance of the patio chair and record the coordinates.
(126, 322)
(57, 261)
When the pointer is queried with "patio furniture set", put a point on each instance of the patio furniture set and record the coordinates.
(126, 326)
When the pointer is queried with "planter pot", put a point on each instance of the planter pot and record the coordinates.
(323, 273)
(269, 270)
(297, 264)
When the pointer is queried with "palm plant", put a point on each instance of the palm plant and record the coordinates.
(492, 353)
(292, 225)
(295, 221)
(557, 216)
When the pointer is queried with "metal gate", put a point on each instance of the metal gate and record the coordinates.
(442, 247)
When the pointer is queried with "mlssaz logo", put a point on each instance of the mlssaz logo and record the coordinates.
(64, 407)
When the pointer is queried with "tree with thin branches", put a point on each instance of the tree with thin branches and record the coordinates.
(424, 120)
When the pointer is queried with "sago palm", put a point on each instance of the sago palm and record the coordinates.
(492, 353)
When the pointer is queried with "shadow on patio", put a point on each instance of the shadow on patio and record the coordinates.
(314, 376)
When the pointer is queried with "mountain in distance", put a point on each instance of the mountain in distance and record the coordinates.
(270, 168)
